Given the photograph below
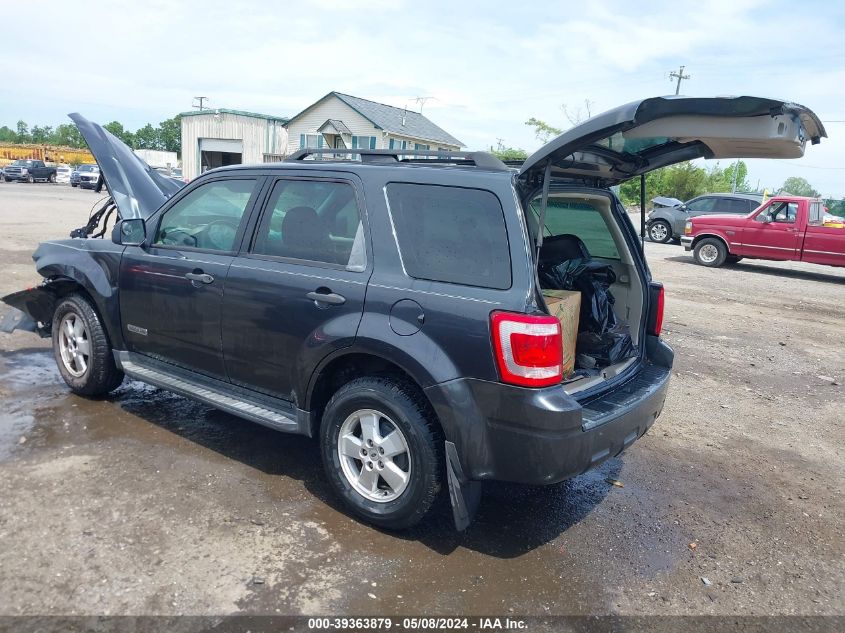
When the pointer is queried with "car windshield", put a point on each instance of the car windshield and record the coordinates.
(22, 163)
(88, 168)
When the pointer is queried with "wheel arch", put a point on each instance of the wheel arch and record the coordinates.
(721, 238)
(93, 273)
(351, 363)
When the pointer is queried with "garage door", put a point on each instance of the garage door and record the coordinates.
(221, 145)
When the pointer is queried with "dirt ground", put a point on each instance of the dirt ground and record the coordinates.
(147, 503)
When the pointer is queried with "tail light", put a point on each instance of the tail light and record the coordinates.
(529, 349)
(655, 309)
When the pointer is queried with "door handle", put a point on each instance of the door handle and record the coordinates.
(326, 297)
(201, 277)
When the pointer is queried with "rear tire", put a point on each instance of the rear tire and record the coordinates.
(30, 179)
(660, 231)
(73, 184)
(82, 350)
(382, 451)
(710, 252)
(52, 178)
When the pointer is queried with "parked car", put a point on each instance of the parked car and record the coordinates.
(389, 306)
(786, 228)
(29, 170)
(666, 223)
(63, 174)
(85, 176)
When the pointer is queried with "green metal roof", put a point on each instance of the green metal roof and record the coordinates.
(254, 115)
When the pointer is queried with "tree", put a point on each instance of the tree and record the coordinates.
(40, 134)
(147, 137)
(798, 186)
(23, 133)
(509, 153)
(68, 135)
(542, 130)
(116, 128)
(170, 135)
(7, 135)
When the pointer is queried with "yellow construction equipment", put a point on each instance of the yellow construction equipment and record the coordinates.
(48, 153)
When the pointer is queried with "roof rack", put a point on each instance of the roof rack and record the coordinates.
(481, 160)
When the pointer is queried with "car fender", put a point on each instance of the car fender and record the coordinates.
(417, 355)
(95, 271)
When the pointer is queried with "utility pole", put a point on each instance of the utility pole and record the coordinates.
(733, 182)
(680, 76)
(200, 99)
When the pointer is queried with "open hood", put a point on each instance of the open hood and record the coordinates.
(137, 189)
(644, 135)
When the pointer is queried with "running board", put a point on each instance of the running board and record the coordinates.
(216, 393)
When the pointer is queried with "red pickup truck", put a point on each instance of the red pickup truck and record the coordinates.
(786, 228)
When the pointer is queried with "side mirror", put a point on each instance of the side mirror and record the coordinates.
(131, 232)
(763, 218)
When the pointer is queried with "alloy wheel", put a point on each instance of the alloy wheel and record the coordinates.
(74, 344)
(374, 455)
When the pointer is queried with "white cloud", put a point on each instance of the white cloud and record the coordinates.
(489, 65)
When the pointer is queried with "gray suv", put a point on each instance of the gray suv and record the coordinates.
(666, 223)
(432, 319)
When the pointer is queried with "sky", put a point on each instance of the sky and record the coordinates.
(486, 67)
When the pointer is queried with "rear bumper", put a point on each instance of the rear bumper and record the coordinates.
(543, 436)
(686, 242)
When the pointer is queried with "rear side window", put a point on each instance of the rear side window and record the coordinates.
(577, 217)
(816, 213)
(451, 234)
(313, 220)
(732, 205)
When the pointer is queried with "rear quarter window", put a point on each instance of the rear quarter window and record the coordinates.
(451, 234)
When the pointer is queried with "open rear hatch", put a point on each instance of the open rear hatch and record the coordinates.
(643, 135)
(585, 247)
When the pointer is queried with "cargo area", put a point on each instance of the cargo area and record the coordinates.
(588, 279)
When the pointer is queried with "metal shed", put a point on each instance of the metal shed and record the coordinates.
(216, 137)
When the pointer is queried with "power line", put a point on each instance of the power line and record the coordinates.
(681, 76)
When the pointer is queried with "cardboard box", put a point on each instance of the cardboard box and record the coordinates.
(566, 306)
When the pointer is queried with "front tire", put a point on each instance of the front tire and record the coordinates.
(381, 448)
(659, 231)
(710, 252)
(82, 350)
(73, 184)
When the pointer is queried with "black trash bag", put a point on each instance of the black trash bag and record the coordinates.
(593, 280)
(602, 350)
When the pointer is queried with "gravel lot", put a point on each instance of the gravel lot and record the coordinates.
(146, 503)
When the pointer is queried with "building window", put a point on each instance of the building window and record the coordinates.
(310, 141)
(421, 146)
(395, 143)
(364, 142)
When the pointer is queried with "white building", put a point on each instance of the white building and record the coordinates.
(343, 121)
(217, 137)
(158, 158)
